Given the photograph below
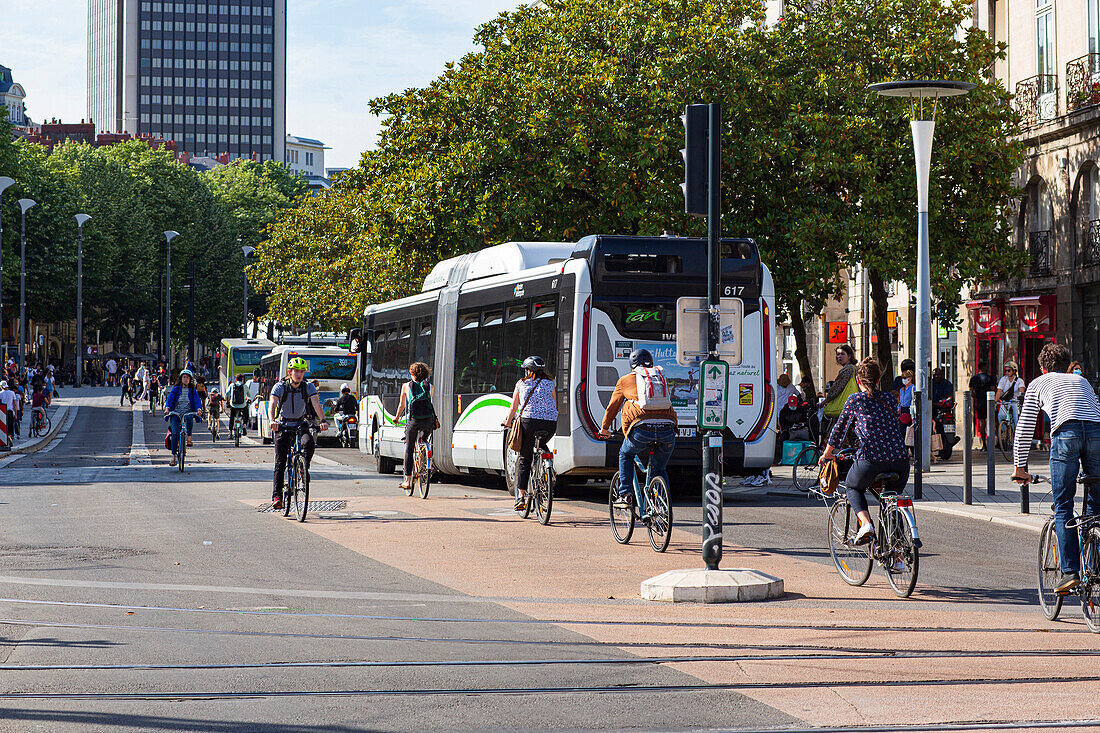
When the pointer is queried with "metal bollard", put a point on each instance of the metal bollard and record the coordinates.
(990, 433)
(1025, 498)
(968, 441)
(918, 448)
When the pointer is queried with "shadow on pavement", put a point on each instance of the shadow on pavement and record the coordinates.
(152, 722)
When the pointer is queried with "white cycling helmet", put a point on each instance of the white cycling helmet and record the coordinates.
(345, 386)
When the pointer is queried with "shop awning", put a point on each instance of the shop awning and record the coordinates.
(1050, 301)
(987, 303)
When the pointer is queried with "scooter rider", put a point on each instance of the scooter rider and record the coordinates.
(346, 406)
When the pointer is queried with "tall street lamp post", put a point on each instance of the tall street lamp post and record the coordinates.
(246, 251)
(923, 128)
(24, 204)
(81, 220)
(5, 182)
(169, 236)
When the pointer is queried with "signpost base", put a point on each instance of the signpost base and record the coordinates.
(712, 586)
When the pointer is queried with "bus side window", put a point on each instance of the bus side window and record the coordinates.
(515, 342)
(490, 343)
(424, 341)
(544, 331)
(466, 352)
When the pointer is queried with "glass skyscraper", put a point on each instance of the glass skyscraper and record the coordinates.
(209, 76)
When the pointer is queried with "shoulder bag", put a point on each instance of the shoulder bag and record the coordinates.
(515, 433)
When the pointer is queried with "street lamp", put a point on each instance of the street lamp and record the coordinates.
(246, 251)
(81, 219)
(168, 236)
(5, 182)
(24, 204)
(923, 128)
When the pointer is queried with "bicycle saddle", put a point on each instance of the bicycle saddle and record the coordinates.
(886, 478)
(542, 434)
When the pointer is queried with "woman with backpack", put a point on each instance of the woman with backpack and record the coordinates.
(535, 400)
(416, 406)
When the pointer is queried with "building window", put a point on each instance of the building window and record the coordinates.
(1044, 39)
(1041, 213)
(1094, 26)
(1092, 182)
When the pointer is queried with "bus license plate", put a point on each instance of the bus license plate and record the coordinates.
(685, 432)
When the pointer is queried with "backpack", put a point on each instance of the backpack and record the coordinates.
(288, 390)
(652, 389)
(420, 401)
(236, 395)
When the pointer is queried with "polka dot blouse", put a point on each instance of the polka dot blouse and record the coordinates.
(875, 421)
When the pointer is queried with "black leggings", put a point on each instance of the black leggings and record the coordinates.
(528, 427)
(862, 474)
(414, 429)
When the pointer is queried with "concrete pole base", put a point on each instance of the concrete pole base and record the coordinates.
(712, 586)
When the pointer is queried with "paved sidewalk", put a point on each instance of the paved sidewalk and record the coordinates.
(58, 411)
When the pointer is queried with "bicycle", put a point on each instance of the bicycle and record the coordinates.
(237, 428)
(1006, 433)
(296, 485)
(540, 486)
(649, 504)
(895, 546)
(181, 440)
(214, 423)
(40, 423)
(807, 471)
(1088, 538)
(421, 477)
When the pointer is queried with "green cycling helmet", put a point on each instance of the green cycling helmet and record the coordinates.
(298, 363)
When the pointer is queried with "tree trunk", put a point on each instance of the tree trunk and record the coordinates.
(255, 327)
(880, 307)
(271, 330)
(801, 351)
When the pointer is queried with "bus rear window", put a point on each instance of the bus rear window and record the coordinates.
(249, 357)
(341, 368)
(643, 264)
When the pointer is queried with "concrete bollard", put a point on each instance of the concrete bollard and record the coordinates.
(968, 441)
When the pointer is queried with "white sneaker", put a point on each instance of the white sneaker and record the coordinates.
(766, 479)
(865, 534)
(748, 480)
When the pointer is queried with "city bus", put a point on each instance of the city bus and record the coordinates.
(240, 356)
(331, 366)
(583, 307)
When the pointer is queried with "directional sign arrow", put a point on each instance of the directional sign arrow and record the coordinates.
(714, 372)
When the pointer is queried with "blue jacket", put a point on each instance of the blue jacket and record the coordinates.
(174, 395)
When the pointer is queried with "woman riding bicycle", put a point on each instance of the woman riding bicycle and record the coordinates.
(1010, 394)
(178, 409)
(416, 407)
(535, 400)
(872, 413)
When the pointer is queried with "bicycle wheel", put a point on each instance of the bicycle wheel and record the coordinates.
(806, 470)
(47, 426)
(301, 488)
(237, 435)
(182, 443)
(902, 558)
(288, 487)
(423, 470)
(1050, 601)
(853, 562)
(622, 516)
(660, 514)
(1004, 439)
(1089, 589)
(544, 491)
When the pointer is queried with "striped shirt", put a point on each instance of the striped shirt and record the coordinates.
(1063, 397)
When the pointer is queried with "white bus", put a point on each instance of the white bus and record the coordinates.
(583, 307)
(329, 365)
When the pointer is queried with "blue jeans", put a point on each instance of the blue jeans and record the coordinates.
(634, 444)
(1076, 445)
(174, 427)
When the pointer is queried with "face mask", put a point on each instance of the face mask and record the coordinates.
(1077, 372)
(908, 382)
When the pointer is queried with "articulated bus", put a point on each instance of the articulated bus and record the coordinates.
(583, 307)
(329, 365)
(241, 356)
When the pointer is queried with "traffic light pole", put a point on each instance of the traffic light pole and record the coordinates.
(712, 439)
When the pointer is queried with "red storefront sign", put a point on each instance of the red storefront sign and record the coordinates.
(1035, 313)
(838, 332)
(988, 317)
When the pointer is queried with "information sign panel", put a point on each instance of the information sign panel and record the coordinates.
(713, 395)
(691, 330)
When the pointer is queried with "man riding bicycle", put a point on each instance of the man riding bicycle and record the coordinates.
(641, 425)
(1071, 404)
(214, 402)
(237, 399)
(293, 404)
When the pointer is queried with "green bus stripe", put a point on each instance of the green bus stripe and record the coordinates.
(488, 400)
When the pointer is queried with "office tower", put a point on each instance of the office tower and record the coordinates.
(210, 76)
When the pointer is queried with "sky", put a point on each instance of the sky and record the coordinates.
(340, 55)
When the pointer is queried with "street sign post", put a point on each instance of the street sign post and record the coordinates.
(713, 395)
(693, 318)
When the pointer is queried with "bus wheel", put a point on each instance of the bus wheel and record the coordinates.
(382, 464)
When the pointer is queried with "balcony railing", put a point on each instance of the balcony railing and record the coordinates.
(1083, 82)
(1037, 99)
(1091, 253)
(1039, 247)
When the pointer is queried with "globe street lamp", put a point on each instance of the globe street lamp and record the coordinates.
(81, 219)
(24, 204)
(246, 251)
(923, 127)
(168, 236)
(5, 182)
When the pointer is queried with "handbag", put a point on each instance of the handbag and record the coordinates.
(829, 478)
(910, 436)
(168, 440)
(515, 433)
(937, 442)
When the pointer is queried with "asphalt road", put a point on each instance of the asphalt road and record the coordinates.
(134, 597)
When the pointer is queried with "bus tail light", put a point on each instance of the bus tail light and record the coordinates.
(582, 386)
(769, 398)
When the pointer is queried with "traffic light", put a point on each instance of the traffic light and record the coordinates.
(696, 125)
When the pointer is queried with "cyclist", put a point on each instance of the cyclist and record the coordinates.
(214, 402)
(1010, 393)
(177, 408)
(39, 401)
(640, 427)
(292, 405)
(346, 406)
(237, 399)
(535, 400)
(1071, 404)
(154, 388)
(873, 414)
(200, 385)
(416, 407)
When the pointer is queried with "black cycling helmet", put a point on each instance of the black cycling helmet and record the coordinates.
(534, 364)
(641, 357)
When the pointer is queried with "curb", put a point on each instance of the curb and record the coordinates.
(1006, 521)
(59, 417)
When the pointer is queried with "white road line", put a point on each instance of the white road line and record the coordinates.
(139, 452)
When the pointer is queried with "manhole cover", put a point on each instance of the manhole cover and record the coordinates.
(332, 505)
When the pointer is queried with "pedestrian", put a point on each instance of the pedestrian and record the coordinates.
(7, 399)
(980, 385)
(139, 382)
(907, 365)
(112, 371)
(124, 380)
(943, 401)
(1076, 368)
(905, 403)
(1071, 404)
(843, 386)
